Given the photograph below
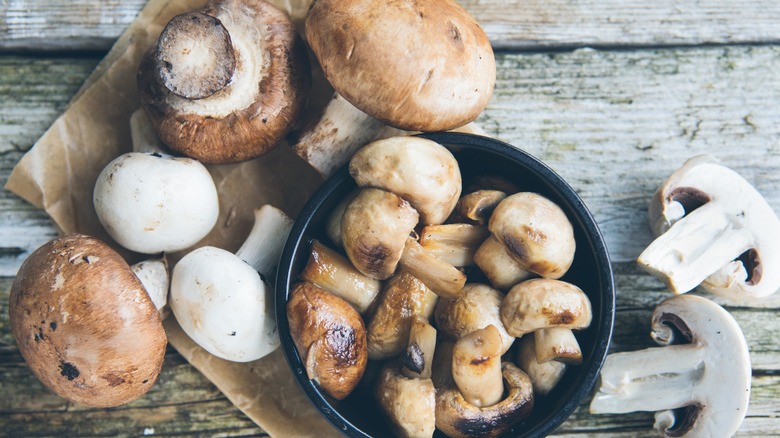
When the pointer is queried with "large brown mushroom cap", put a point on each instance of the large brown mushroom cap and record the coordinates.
(330, 338)
(235, 118)
(419, 66)
(84, 323)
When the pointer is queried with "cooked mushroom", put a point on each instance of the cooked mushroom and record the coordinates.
(476, 308)
(713, 229)
(536, 233)
(544, 375)
(417, 359)
(420, 171)
(476, 367)
(441, 277)
(154, 276)
(221, 300)
(459, 419)
(333, 226)
(503, 271)
(559, 344)
(334, 273)
(153, 202)
(226, 82)
(84, 323)
(409, 403)
(330, 338)
(453, 243)
(478, 206)
(374, 230)
(698, 381)
(542, 303)
(418, 66)
(404, 297)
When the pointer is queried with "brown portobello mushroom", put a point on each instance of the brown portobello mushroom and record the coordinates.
(84, 323)
(225, 83)
(330, 338)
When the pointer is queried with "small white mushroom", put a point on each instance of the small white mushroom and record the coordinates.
(713, 229)
(477, 207)
(499, 267)
(476, 366)
(698, 382)
(221, 300)
(542, 303)
(544, 375)
(559, 344)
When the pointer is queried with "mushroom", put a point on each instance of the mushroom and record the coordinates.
(226, 82)
(417, 66)
(151, 202)
(476, 207)
(153, 274)
(330, 338)
(559, 344)
(221, 300)
(403, 298)
(713, 229)
(418, 170)
(333, 226)
(494, 260)
(418, 356)
(441, 277)
(459, 419)
(475, 309)
(409, 403)
(374, 230)
(331, 271)
(544, 375)
(476, 366)
(84, 323)
(455, 244)
(535, 232)
(542, 303)
(698, 382)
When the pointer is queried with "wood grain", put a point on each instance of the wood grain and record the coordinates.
(526, 24)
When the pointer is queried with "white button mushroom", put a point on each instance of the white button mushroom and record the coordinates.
(703, 366)
(153, 202)
(713, 229)
(220, 299)
(542, 303)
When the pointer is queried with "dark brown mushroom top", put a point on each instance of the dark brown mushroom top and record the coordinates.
(227, 82)
(415, 65)
(84, 323)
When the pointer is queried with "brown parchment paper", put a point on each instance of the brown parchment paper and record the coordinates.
(59, 172)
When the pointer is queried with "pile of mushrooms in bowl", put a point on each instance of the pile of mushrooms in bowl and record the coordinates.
(344, 385)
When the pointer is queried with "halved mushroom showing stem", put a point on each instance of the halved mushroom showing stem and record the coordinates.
(417, 359)
(420, 171)
(713, 229)
(374, 230)
(221, 300)
(225, 83)
(151, 202)
(698, 382)
(544, 375)
(441, 277)
(330, 338)
(403, 297)
(332, 271)
(453, 243)
(409, 403)
(459, 419)
(542, 303)
(557, 343)
(494, 260)
(477, 307)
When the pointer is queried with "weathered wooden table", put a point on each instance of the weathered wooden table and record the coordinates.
(613, 94)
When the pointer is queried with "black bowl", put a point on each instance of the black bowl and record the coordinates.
(358, 415)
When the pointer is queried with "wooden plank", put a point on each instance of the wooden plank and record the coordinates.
(90, 25)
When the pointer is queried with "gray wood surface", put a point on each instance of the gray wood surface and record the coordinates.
(613, 121)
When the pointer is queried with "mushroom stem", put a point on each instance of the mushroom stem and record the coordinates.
(695, 247)
(500, 268)
(442, 278)
(263, 247)
(453, 243)
(142, 133)
(653, 379)
(339, 132)
(557, 343)
(476, 366)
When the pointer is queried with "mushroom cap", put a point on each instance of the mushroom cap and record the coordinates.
(409, 404)
(544, 303)
(460, 419)
(403, 297)
(255, 109)
(478, 307)
(330, 338)
(418, 170)
(374, 230)
(221, 303)
(84, 323)
(418, 66)
(152, 203)
(536, 233)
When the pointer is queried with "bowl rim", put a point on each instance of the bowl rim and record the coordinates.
(562, 189)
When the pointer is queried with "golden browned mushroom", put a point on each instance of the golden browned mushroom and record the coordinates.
(559, 344)
(374, 230)
(453, 243)
(441, 277)
(542, 303)
(404, 297)
(497, 264)
(544, 376)
(409, 403)
(84, 323)
(226, 82)
(330, 338)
